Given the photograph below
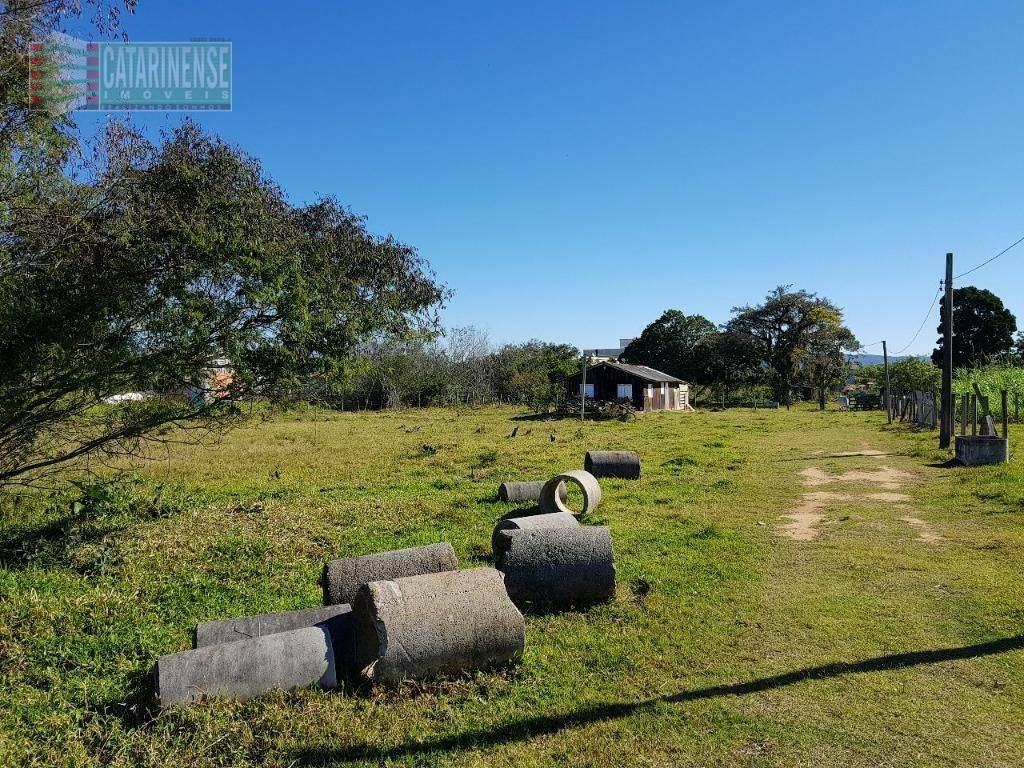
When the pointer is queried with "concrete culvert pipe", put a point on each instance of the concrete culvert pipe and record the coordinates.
(342, 578)
(624, 464)
(552, 501)
(438, 623)
(499, 542)
(558, 567)
(247, 668)
(247, 627)
(524, 493)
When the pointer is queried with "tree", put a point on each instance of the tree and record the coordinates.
(37, 145)
(982, 327)
(905, 375)
(822, 362)
(787, 328)
(532, 373)
(730, 360)
(1018, 348)
(174, 258)
(672, 344)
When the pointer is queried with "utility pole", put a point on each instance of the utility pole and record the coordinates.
(888, 402)
(583, 390)
(946, 426)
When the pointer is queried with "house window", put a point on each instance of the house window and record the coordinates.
(588, 390)
(625, 391)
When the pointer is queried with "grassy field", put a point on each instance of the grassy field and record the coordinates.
(784, 599)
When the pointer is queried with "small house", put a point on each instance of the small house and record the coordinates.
(646, 388)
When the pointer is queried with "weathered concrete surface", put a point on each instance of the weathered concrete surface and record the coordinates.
(499, 541)
(552, 501)
(623, 464)
(976, 450)
(246, 627)
(247, 668)
(524, 492)
(342, 578)
(558, 567)
(438, 623)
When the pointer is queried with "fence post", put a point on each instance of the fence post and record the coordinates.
(1006, 415)
(963, 414)
(974, 415)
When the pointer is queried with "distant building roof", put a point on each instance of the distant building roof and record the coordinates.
(645, 372)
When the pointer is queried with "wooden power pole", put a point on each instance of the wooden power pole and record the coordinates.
(583, 390)
(946, 425)
(888, 396)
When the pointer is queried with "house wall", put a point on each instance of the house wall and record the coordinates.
(646, 396)
(606, 383)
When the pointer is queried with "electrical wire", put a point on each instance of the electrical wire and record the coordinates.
(989, 261)
(921, 327)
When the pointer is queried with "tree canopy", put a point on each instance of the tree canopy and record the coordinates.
(174, 268)
(905, 375)
(982, 328)
(672, 344)
(795, 334)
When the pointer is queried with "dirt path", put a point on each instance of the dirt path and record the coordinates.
(883, 477)
(803, 521)
(924, 531)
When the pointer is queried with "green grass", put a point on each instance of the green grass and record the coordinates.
(749, 649)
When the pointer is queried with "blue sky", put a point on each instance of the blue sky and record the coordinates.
(573, 169)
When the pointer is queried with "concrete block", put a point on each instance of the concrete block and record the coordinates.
(499, 542)
(525, 492)
(246, 668)
(558, 567)
(438, 623)
(342, 578)
(976, 450)
(552, 501)
(623, 464)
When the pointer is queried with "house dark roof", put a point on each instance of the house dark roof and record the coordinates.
(644, 372)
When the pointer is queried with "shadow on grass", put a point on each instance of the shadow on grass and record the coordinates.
(852, 455)
(136, 707)
(948, 464)
(49, 540)
(531, 727)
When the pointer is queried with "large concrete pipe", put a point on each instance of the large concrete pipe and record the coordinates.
(342, 579)
(525, 492)
(551, 500)
(558, 567)
(624, 464)
(438, 623)
(337, 618)
(499, 542)
(246, 668)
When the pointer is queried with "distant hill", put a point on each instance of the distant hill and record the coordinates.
(878, 359)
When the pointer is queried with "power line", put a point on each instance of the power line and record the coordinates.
(989, 261)
(927, 315)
